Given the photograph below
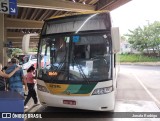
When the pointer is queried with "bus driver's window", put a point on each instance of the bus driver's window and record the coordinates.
(61, 50)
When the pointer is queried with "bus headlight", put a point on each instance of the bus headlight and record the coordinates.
(42, 88)
(101, 91)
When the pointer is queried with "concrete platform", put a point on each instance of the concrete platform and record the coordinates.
(121, 106)
(136, 106)
(125, 110)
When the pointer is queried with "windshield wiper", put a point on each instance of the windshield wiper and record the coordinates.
(81, 71)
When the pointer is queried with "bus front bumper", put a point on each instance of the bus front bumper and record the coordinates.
(104, 102)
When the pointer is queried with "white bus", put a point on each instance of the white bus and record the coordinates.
(81, 72)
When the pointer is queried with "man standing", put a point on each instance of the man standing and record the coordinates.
(15, 82)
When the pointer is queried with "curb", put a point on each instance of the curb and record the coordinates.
(141, 63)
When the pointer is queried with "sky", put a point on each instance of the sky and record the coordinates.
(135, 13)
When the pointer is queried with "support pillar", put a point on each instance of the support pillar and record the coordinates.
(3, 55)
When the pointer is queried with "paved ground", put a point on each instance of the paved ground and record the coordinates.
(138, 91)
(142, 63)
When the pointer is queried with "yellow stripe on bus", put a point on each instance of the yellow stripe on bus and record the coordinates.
(57, 88)
(60, 89)
(81, 13)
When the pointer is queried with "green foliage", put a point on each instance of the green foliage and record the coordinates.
(137, 58)
(147, 37)
(12, 52)
(33, 49)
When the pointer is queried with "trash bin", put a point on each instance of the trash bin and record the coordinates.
(11, 105)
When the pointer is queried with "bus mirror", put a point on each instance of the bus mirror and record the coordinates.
(26, 41)
(115, 39)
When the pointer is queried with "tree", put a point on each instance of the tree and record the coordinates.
(136, 39)
(146, 37)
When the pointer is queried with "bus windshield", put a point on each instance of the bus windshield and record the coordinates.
(75, 58)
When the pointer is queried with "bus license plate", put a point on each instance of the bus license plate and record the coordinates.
(69, 102)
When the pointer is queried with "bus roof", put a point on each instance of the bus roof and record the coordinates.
(82, 13)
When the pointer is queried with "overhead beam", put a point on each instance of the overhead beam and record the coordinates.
(20, 46)
(117, 4)
(20, 39)
(55, 5)
(18, 35)
(101, 4)
(110, 4)
(31, 44)
(15, 34)
(11, 23)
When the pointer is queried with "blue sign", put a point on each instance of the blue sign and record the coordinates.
(75, 38)
(13, 7)
(8, 7)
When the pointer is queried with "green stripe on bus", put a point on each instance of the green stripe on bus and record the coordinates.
(73, 88)
(86, 88)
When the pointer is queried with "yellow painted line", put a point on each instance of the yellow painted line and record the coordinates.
(149, 93)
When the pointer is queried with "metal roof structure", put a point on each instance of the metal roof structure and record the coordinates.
(32, 13)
